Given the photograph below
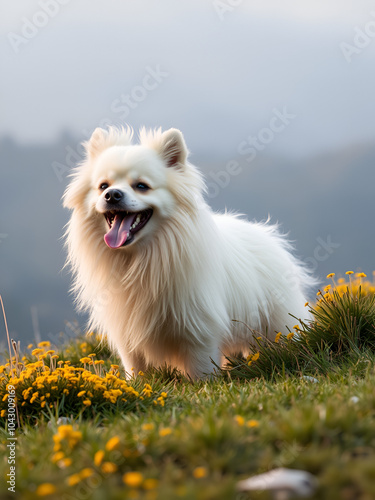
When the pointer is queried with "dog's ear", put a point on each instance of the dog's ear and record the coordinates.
(173, 149)
(79, 186)
(97, 142)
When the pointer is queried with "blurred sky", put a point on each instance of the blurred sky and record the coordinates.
(227, 67)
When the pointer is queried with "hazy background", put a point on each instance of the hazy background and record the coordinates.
(224, 66)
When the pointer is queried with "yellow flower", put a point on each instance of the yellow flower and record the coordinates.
(65, 462)
(255, 356)
(252, 423)
(163, 394)
(349, 272)
(133, 479)
(200, 472)
(73, 479)
(98, 457)
(306, 304)
(50, 352)
(361, 275)
(277, 338)
(240, 420)
(330, 275)
(57, 456)
(290, 335)
(29, 346)
(165, 431)
(296, 327)
(112, 443)
(147, 390)
(65, 430)
(81, 393)
(45, 343)
(35, 352)
(140, 373)
(85, 360)
(34, 397)
(45, 489)
(148, 427)
(87, 472)
(86, 402)
(109, 467)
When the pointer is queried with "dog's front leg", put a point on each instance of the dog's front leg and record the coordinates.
(199, 361)
(133, 363)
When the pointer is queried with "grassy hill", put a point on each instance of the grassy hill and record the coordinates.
(306, 401)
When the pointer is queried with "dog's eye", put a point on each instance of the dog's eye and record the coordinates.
(103, 186)
(141, 186)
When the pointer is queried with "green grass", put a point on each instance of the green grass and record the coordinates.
(208, 435)
(314, 427)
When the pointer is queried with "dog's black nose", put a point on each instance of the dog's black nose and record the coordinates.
(113, 195)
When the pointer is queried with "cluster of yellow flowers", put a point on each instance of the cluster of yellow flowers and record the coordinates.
(353, 283)
(252, 357)
(239, 419)
(47, 380)
(66, 440)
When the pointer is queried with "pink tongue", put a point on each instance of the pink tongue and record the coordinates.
(119, 231)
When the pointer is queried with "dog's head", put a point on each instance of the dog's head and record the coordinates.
(128, 191)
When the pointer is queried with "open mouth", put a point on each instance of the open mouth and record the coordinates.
(123, 225)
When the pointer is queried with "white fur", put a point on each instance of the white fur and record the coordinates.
(172, 295)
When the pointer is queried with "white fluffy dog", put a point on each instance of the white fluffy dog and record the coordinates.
(161, 274)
